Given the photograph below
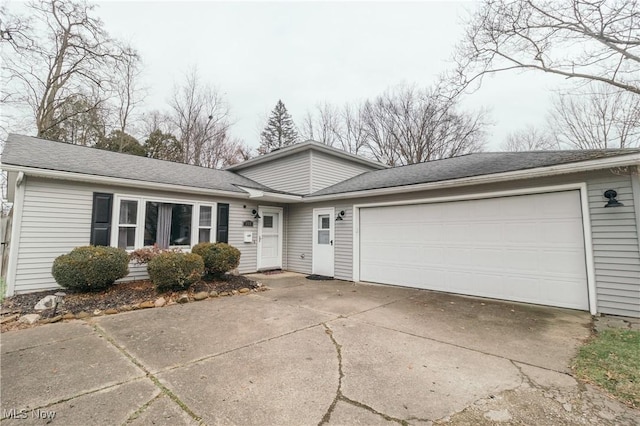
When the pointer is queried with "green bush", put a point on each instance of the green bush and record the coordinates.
(175, 271)
(90, 268)
(218, 257)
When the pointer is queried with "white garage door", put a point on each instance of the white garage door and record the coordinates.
(527, 248)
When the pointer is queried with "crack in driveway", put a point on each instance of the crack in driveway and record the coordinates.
(340, 396)
(163, 389)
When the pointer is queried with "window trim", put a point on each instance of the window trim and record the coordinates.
(211, 227)
(142, 211)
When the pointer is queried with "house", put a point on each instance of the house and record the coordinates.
(553, 228)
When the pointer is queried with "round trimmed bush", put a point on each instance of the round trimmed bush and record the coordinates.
(90, 268)
(175, 271)
(218, 257)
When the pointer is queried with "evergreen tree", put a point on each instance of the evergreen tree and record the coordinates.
(279, 132)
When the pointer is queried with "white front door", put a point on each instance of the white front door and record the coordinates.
(323, 220)
(270, 238)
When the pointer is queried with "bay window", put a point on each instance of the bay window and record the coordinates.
(144, 222)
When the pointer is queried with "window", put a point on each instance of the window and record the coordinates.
(167, 224)
(141, 222)
(205, 224)
(324, 231)
(127, 223)
(267, 222)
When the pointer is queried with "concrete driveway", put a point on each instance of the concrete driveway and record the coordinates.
(307, 352)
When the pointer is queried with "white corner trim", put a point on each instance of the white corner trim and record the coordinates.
(586, 224)
(635, 193)
(603, 163)
(588, 249)
(16, 230)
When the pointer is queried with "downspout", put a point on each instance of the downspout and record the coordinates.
(18, 203)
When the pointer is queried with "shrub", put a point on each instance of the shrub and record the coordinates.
(90, 268)
(175, 271)
(218, 257)
(144, 255)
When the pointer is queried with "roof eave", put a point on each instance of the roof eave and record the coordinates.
(108, 180)
(577, 167)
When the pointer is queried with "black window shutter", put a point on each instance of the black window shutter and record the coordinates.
(101, 219)
(222, 230)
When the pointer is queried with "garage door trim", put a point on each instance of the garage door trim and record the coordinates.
(584, 205)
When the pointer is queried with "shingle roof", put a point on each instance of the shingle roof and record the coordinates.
(38, 153)
(465, 166)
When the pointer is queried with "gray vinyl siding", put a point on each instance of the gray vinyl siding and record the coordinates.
(615, 247)
(289, 174)
(56, 218)
(299, 238)
(327, 170)
(614, 234)
(305, 172)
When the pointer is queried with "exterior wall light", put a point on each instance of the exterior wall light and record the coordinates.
(255, 214)
(340, 215)
(611, 195)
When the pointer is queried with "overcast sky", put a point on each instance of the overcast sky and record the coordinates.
(305, 53)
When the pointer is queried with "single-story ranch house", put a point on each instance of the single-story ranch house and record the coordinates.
(555, 228)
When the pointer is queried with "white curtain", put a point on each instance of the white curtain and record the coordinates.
(163, 236)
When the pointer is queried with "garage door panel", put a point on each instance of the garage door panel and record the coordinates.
(525, 248)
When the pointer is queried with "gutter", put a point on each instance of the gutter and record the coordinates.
(132, 183)
(618, 161)
(270, 196)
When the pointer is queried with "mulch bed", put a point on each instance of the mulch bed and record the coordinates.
(122, 297)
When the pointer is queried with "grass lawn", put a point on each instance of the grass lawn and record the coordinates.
(611, 360)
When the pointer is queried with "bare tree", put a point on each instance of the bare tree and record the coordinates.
(597, 117)
(407, 125)
(530, 138)
(322, 125)
(201, 116)
(589, 40)
(127, 87)
(73, 55)
(337, 127)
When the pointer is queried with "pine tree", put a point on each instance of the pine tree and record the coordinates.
(279, 132)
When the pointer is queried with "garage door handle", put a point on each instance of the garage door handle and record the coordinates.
(331, 242)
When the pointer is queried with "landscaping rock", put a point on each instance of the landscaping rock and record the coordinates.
(10, 318)
(29, 318)
(183, 298)
(148, 304)
(125, 308)
(46, 302)
(244, 290)
(135, 306)
(68, 316)
(51, 320)
(111, 311)
(234, 292)
(213, 293)
(82, 315)
(225, 293)
(171, 302)
(201, 295)
(97, 313)
(160, 302)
